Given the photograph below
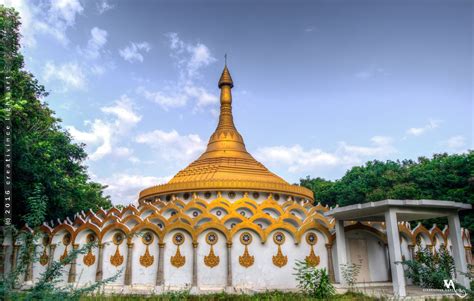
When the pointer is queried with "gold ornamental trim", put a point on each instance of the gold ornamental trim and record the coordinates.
(116, 259)
(279, 238)
(279, 259)
(211, 260)
(312, 260)
(89, 258)
(227, 185)
(246, 260)
(147, 239)
(311, 238)
(44, 258)
(178, 260)
(246, 238)
(147, 259)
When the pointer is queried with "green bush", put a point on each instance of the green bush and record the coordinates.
(350, 271)
(312, 281)
(430, 270)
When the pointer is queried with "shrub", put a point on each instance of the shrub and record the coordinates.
(313, 281)
(350, 271)
(430, 270)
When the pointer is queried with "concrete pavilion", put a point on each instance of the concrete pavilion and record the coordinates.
(393, 211)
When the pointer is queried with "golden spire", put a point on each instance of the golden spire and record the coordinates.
(226, 164)
(226, 141)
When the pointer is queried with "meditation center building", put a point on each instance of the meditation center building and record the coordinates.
(225, 222)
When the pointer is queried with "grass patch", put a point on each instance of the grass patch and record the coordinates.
(267, 296)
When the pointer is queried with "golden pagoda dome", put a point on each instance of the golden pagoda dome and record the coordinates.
(226, 165)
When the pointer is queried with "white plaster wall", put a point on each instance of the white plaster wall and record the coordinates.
(377, 256)
(57, 239)
(405, 254)
(263, 274)
(141, 274)
(215, 277)
(38, 269)
(109, 270)
(85, 274)
(178, 277)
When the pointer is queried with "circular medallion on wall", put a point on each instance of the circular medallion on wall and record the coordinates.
(311, 238)
(212, 238)
(207, 194)
(277, 197)
(66, 239)
(118, 238)
(232, 225)
(256, 195)
(160, 226)
(231, 194)
(186, 196)
(168, 198)
(90, 238)
(242, 213)
(279, 238)
(195, 213)
(218, 213)
(147, 238)
(246, 238)
(178, 239)
(173, 213)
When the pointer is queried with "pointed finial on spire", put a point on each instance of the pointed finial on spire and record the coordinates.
(226, 79)
(225, 59)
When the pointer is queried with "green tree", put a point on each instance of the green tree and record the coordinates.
(442, 177)
(43, 154)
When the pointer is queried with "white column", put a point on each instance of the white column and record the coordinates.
(398, 277)
(340, 248)
(458, 248)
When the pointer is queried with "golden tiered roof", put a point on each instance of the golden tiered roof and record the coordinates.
(226, 164)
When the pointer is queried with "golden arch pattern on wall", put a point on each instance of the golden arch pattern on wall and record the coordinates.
(246, 260)
(296, 218)
(147, 259)
(178, 260)
(279, 259)
(117, 259)
(211, 260)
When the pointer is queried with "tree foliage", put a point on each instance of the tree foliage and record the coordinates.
(43, 154)
(442, 177)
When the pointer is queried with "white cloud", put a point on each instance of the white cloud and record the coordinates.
(180, 97)
(52, 18)
(371, 72)
(190, 57)
(172, 146)
(71, 75)
(104, 134)
(124, 187)
(431, 125)
(296, 159)
(103, 6)
(455, 142)
(133, 52)
(96, 43)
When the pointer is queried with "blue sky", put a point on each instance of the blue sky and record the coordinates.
(320, 86)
